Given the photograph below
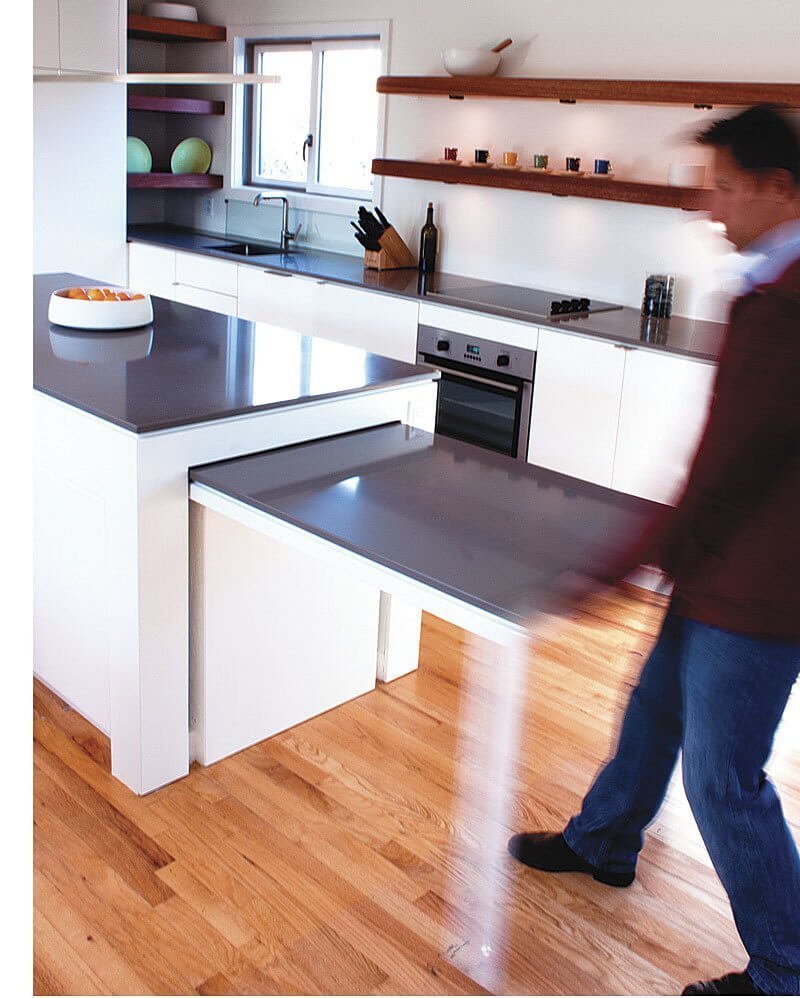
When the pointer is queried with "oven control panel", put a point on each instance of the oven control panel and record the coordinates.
(447, 347)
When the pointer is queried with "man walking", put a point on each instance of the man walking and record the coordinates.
(719, 677)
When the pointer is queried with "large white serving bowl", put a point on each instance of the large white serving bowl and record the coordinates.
(470, 62)
(77, 313)
(172, 11)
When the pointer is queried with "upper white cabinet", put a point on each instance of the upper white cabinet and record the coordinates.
(576, 397)
(278, 299)
(81, 36)
(45, 35)
(379, 323)
(665, 401)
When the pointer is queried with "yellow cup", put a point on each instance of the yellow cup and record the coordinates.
(510, 159)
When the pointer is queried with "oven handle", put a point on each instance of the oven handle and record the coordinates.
(515, 389)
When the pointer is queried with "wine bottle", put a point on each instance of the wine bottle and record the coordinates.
(427, 244)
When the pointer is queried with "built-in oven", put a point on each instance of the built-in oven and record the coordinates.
(485, 391)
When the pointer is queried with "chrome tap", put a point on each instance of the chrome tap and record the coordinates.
(286, 235)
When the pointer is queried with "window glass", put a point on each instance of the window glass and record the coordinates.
(284, 111)
(348, 117)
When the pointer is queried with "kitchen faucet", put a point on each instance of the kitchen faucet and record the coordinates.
(286, 235)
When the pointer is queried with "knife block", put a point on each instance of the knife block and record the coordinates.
(393, 254)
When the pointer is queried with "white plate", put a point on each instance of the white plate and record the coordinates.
(450, 162)
(484, 165)
(172, 11)
(77, 313)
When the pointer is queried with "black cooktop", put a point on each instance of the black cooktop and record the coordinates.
(523, 301)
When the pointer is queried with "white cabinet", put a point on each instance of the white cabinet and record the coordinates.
(81, 36)
(576, 398)
(488, 327)
(151, 269)
(664, 405)
(206, 283)
(379, 323)
(45, 35)
(617, 415)
(282, 300)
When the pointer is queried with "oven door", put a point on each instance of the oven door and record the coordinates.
(486, 411)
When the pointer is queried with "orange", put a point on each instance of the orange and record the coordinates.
(77, 293)
(95, 294)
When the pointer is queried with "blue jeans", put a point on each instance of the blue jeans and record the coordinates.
(718, 696)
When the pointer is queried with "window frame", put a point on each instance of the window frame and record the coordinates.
(242, 38)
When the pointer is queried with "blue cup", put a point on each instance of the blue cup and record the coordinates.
(602, 166)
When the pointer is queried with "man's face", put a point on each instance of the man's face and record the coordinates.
(744, 202)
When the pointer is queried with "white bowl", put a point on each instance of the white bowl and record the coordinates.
(470, 62)
(101, 348)
(172, 11)
(78, 313)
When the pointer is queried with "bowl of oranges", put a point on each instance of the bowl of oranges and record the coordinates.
(99, 308)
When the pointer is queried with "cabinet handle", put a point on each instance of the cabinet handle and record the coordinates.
(624, 346)
(277, 273)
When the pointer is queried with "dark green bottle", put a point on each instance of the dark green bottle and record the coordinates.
(427, 244)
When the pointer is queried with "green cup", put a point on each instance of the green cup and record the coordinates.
(540, 161)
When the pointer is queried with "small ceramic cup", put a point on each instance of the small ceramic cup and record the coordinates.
(450, 152)
(573, 164)
(481, 155)
(510, 159)
(540, 161)
(602, 166)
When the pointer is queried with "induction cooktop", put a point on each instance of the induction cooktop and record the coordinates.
(522, 301)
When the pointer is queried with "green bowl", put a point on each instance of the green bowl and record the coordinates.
(140, 159)
(191, 156)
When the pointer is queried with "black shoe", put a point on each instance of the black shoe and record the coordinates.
(730, 984)
(549, 851)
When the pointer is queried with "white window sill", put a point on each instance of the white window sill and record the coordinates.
(302, 201)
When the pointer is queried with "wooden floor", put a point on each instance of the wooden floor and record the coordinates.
(349, 855)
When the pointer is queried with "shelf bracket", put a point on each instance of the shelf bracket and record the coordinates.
(704, 107)
(456, 96)
(567, 100)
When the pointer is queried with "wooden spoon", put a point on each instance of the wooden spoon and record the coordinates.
(502, 45)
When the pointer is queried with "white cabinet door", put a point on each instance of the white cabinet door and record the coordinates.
(665, 402)
(206, 272)
(200, 298)
(151, 269)
(282, 300)
(45, 34)
(379, 323)
(90, 32)
(576, 395)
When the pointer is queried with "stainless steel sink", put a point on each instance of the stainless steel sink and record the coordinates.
(248, 249)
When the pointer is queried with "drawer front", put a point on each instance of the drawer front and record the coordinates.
(151, 269)
(488, 327)
(211, 300)
(204, 272)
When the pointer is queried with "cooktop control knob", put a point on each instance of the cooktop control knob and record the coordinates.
(443, 344)
(585, 303)
(503, 360)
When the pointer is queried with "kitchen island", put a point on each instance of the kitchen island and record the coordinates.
(119, 419)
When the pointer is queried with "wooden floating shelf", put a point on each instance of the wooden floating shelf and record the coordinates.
(175, 105)
(697, 93)
(604, 189)
(173, 181)
(162, 29)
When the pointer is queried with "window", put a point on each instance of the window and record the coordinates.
(316, 130)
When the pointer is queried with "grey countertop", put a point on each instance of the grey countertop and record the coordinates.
(192, 366)
(695, 338)
(492, 531)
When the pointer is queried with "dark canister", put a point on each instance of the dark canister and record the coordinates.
(658, 292)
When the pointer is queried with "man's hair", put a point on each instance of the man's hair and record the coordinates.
(760, 138)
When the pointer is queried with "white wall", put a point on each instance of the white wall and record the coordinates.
(600, 249)
(79, 179)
